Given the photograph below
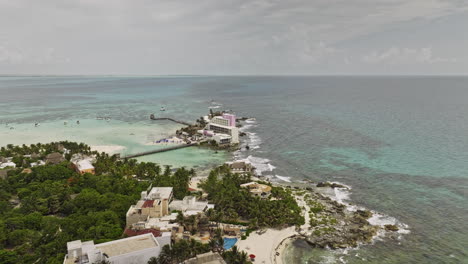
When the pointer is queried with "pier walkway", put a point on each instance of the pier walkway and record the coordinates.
(173, 120)
(158, 150)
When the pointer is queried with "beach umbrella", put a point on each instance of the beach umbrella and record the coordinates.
(252, 256)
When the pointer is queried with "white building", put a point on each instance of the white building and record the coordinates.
(228, 130)
(257, 189)
(241, 167)
(163, 224)
(219, 120)
(152, 204)
(38, 163)
(163, 193)
(223, 127)
(209, 257)
(190, 206)
(132, 250)
(83, 163)
(222, 139)
(7, 164)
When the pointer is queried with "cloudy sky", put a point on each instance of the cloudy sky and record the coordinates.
(154, 37)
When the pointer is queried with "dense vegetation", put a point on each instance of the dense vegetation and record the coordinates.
(44, 209)
(236, 204)
(183, 250)
(179, 252)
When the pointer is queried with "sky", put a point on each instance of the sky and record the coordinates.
(235, 37)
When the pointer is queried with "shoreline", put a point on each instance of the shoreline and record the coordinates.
(264, 243)
(109, 149)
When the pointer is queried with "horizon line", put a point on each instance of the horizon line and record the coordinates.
(234, 75)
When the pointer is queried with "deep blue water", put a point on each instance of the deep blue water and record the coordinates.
(401, 143)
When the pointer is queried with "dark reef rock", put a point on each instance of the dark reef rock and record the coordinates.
(330, 185)
(393, 228)
(364, 213)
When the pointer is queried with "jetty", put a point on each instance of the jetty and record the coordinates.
(152, 117)
(159, 150)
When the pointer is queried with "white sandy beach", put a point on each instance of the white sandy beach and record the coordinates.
(264, 246)
(109, 149)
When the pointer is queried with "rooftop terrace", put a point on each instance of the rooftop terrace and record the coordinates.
(128, 245)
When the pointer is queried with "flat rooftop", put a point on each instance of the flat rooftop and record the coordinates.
(128, 245)
(164, 193)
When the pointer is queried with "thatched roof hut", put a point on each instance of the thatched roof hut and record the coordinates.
(54, 158)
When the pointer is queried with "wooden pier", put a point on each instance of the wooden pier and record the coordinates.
(158, 150)
(171, 119)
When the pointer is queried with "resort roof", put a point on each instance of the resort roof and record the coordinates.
(160, 193)
(54, 158)
(238, 165)
(206, 258)
(256, 187)
(131, 233)
(189, 204)
(84, 165)
(128, 245)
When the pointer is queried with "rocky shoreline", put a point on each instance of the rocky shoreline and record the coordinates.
(332, 224)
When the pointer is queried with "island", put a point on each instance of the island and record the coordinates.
(62, 202)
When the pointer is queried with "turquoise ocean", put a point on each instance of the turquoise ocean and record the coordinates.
(400, 143)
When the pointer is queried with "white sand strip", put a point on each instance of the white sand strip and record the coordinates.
(263, 246)
(110, 149)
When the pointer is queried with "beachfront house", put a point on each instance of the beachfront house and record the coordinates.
(132, 250)
(152, 204)
(7, 164)
(83, 164)
(240, 167)
(190, 206)
(163, 224)
(257, 189)
(209, 257)
(38, 163)
(54, 158)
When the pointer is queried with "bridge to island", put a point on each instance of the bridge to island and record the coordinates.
(158, 150)
(171, 119)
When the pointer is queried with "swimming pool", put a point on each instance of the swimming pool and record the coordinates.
(229, 243)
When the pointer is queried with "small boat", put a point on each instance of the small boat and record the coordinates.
(162, 109)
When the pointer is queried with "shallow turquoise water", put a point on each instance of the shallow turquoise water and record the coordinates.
(127, 102)
(400, 142)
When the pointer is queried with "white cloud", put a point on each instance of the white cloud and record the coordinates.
(396, 55)
(10, 56)
(207, 36)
